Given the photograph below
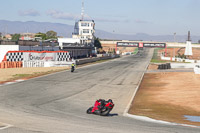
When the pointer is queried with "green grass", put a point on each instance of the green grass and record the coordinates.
(155, 54)
(135, 51)
(158, 61)
(156, 58)
(21, 75)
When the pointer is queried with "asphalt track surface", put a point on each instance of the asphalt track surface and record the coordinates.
(57, 103)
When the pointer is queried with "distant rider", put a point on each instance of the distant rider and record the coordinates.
(72, 67)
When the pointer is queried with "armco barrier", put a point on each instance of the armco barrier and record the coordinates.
(89, 60)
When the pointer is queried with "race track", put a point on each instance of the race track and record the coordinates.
(57, 103)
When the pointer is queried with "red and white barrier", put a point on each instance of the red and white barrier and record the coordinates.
(35, 59)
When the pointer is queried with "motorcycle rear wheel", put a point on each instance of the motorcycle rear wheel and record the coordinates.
(105, 112)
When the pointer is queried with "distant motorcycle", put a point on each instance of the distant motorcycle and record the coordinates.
(72, 69)
(101, 107)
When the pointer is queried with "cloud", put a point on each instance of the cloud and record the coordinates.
(29, 12)
(112, 20)
(61, 15)
(69, 16)
(106, 20)
(141, 21)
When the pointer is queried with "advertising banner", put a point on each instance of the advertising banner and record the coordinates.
(30, 56)
(127, 44)
(37, 56)
(140, 45)
(160, 45)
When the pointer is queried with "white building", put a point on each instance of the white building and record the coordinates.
(84, 30)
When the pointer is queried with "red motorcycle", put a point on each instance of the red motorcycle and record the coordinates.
(101, 107)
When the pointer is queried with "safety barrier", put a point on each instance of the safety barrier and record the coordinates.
(89, 60)
(46, 63)
(33, 63)
(10, 64)
(179, 59)
(164, 66)
(197, 69)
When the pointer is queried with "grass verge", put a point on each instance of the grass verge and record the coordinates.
(31, 75)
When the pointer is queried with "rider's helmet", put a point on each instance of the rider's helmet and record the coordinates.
(110, 101)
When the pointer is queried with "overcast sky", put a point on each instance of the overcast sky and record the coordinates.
(154, 17)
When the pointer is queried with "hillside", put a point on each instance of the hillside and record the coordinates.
(66, 31)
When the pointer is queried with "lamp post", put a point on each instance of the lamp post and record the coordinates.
(174, 42)
(175, 37)
(115, 44)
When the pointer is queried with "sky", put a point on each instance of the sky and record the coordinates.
(153, 17)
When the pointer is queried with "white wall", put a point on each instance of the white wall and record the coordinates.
(67, 40)
(5, 48)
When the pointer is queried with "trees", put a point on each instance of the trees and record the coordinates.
(42, 35)
(1, 36)
(48, 35)
(15, 37)
(51, 34)
(97, 43)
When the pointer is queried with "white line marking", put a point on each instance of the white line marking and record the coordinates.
(5, 127)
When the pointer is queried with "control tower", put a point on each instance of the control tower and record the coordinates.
(84, 29)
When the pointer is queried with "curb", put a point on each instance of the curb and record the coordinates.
(11, 82)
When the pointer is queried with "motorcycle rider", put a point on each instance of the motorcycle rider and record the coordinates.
(72, 67)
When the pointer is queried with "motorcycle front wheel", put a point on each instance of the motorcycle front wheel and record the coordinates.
(89, 111)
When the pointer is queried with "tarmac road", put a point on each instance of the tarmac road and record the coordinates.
(57, 103)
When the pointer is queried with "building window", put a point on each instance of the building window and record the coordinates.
(84, 24)
(85, 31)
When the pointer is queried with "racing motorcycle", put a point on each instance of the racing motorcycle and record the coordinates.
(72, 69)
(101, 107)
